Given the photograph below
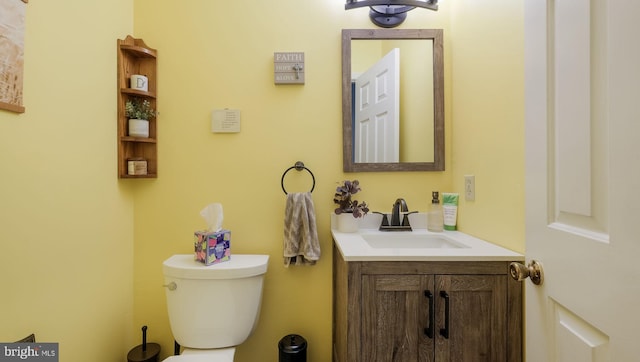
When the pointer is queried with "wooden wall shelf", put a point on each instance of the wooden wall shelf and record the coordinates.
(138, 139)
(138, 93)
(135, 57)
(139, 50)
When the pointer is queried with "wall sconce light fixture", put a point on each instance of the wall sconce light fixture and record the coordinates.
(390, 13)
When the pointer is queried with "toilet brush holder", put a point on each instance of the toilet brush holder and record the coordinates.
(146, 352)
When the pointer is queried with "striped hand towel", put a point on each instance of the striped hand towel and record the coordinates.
(301, 245)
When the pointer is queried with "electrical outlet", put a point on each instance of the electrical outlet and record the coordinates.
(469, 187)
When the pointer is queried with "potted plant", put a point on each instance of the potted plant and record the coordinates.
(139, 112)
(349, 210)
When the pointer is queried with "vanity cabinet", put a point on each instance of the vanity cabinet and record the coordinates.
(426, 311)
(135, 57)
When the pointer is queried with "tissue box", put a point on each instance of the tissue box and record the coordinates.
(212, 247)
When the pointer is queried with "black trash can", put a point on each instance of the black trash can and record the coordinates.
(293, 348)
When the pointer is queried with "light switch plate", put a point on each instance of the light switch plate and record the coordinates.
(469, 187)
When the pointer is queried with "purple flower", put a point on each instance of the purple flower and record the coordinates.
(343, 199)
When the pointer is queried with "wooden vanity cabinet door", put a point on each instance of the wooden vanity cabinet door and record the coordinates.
(477, 318)
(381, 311)
(395, 313)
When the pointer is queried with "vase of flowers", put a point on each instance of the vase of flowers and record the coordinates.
(349, 209)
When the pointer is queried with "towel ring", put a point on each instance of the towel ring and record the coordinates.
(299, 166)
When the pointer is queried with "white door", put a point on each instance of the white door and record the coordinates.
(582, 83)
(377, 115)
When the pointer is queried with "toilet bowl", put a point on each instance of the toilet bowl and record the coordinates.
(212, 309)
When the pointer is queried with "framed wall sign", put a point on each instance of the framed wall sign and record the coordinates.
(12, 24)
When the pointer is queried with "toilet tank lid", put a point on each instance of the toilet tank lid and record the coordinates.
(239, 266)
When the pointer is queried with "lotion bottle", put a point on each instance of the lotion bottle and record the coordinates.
(435, 217)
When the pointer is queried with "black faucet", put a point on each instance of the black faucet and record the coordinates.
(399, 207)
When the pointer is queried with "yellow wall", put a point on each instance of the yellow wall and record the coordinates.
(487, 86)
(66, 223)
(416, 106)
(96, 275)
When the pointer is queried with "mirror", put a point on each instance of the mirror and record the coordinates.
(392, 100)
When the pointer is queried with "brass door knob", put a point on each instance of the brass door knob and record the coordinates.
(520, 272)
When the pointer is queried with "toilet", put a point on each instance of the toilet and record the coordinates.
(212, 309)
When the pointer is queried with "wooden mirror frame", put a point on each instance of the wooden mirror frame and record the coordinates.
(438, 90)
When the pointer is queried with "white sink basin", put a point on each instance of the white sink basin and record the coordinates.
(371, 244)
(408, 240)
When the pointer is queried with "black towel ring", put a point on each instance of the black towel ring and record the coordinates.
(299, 166)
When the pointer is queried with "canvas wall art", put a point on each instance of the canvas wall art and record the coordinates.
(12, 25)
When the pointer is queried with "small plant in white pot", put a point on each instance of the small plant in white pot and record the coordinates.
(349, 210)
(139, 112)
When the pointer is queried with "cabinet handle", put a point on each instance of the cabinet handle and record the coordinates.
(445, 331)
(429, 330)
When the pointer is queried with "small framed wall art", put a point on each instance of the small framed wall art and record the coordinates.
(12, 25)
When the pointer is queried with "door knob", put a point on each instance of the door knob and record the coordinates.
(520, 272)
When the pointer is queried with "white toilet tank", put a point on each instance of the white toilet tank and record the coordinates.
(214, 306)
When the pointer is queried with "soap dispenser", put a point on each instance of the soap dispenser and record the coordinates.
(435, 218)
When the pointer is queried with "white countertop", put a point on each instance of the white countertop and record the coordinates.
(353, 246)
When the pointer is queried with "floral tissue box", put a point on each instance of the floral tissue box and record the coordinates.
(212, 247)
